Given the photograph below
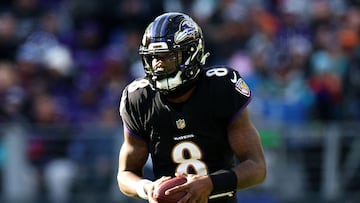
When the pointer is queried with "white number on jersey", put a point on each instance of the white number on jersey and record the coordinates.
(193, 161)
(136, 84)
(217, 71)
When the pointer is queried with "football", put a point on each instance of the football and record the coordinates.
(159, 192)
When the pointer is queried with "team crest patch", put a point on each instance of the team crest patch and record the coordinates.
(242, 87)
(180, 124)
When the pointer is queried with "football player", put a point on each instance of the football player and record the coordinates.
(191, 119)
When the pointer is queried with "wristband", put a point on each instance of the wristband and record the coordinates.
(140, 190)
(223, 181)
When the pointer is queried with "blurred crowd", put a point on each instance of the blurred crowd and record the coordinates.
(65, 62)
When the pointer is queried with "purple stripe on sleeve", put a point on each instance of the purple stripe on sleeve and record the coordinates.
(133, 134)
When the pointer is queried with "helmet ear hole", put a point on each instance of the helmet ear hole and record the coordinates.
(189, 73)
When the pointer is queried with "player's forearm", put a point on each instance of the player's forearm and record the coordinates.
(127, 182)
(245, 142)
(250, 173)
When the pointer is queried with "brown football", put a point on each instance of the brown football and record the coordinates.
(159, 192)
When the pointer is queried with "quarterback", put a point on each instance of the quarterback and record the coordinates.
(192, 120)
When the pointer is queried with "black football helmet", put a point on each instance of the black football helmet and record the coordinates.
(178, 38)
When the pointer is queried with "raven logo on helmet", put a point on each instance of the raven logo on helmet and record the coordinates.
(187, 30)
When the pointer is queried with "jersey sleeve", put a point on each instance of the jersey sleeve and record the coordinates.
(130, 115)
(231, 93)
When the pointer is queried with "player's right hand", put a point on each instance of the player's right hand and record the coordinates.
(149, 188)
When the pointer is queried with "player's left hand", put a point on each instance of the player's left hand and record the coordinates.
(198, 188)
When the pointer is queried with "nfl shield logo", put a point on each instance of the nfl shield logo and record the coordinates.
(180, 124)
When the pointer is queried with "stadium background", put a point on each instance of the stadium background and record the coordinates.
(63, 64)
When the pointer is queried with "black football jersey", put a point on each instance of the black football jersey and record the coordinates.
(189, 137)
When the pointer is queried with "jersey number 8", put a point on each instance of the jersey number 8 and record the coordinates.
(193, 161)
(217, 71)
